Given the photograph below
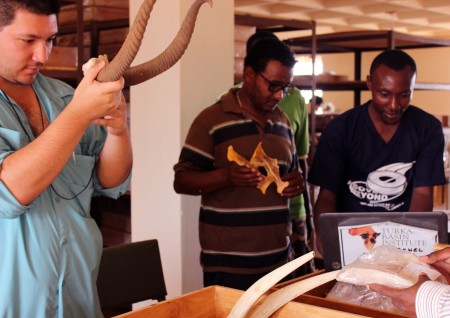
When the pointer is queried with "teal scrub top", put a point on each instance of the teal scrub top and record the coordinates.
(50, 249)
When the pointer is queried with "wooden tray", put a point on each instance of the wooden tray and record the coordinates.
(68, 14)
(217, 302)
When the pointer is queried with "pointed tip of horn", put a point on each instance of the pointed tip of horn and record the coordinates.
(200, 2)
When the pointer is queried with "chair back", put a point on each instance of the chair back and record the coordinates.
(130, 273)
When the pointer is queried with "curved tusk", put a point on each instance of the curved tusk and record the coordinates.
(130, 47)
(264, 283)
(171, 54)
(276, 300)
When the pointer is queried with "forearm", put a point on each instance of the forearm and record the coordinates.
(115, 160)
(198, 182)
(422, 199)
(326, 203)
(30, 170)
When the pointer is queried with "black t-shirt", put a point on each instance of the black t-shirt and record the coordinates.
(368, 174)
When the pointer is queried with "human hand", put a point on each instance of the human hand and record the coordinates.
(243, 176)
(402, 298)
(317, 245)
(92, 99)
(439, 260)
(296, 184)
(116, 121)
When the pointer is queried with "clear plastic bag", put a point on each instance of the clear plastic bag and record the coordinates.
(385, 265)
(360, 296)
(389, 266)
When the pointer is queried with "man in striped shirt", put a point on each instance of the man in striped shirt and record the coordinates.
(426, 299)
(244, 234)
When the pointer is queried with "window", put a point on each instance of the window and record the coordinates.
(304, 66)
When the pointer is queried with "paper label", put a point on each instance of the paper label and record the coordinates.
(357, 239)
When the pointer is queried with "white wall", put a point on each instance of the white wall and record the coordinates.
(161, 112)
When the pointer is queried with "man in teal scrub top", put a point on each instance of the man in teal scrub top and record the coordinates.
(57, 150)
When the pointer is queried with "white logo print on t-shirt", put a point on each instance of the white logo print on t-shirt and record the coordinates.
(382, 186)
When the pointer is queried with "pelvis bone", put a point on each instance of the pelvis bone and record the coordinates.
(120, 65)
(260, 159)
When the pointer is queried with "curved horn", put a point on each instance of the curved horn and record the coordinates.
(170, 55)
(130, 47)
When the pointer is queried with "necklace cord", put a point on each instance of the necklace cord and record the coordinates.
(82, 190)
(239, 100)
(11, 107)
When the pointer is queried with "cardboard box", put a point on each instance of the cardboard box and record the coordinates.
(62, 58)
(238, 66)
(240, 49)
(68, 13)
(66, 57)
(111, 3)
(317, 295)
(217, 302)
(329, 77)
(243, 32)
(110, 50)
(111, 36)
(321, 78)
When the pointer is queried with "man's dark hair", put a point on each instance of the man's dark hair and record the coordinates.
(393, 59)
(266, 50)
(319, 100)
(258, 35)
(8, 8)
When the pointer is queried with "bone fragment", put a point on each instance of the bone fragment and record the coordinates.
(94, 61)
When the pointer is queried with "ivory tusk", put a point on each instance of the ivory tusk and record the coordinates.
(255, 291)
(276, 300)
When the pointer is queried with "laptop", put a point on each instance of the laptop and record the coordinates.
(345, 236)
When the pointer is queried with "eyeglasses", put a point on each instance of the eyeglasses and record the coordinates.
(275, 87)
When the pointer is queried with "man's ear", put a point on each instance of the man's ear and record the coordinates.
(369, 82)
(249, 74)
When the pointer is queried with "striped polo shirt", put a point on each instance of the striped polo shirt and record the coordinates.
(241, 230)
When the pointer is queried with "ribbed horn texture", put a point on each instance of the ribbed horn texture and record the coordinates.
(130, 47)
(145, 71)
